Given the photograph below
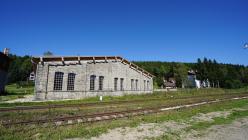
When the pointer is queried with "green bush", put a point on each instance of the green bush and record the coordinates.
(25, 84)
(233, 84)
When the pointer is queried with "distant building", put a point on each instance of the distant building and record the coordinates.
(192, 80)
(31, 76)
(80, 77)
(170, 83)
(206, 84)
(4, 66)
(195, 83)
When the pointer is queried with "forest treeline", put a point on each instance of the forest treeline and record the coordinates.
(19, 69)
(225, 75)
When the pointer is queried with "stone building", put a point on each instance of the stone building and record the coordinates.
(79, 77)
(4, 65)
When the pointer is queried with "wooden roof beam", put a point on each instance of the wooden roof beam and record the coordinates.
(94, 60)
(63, 60)
(106, 59)
(41, 60)
(79, 60)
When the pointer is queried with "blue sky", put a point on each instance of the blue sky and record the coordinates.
(164, 30)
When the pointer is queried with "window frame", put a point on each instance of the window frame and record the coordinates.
(116, 84)
(132, 84)
(136, 84)
(92, 82)
(71, 81)
(101, 81)
(122, 84)
(148, 84)
(144, 85)
(58, 81)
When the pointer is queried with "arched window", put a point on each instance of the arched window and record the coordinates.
(148, 84)
(58, 81)
(92, 82)
(144, 85)
(122, 84)
(136, 84)
(101, 78)
(115, 84)
(71, 81)
(132, 84)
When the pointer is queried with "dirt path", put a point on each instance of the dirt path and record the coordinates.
(30, 98)
(27, 98)
(238, 130)
(143, 131)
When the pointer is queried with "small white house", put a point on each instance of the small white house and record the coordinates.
(31, 76)
(192, 80)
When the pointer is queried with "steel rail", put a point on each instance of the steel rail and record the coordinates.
(115, 115)
(54, 106)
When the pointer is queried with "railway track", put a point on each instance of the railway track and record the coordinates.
(115, 115)
(57, 106)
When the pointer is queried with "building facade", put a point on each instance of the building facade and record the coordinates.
(4, 65)
(80, 77)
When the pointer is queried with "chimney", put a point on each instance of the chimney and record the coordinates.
(6, 51)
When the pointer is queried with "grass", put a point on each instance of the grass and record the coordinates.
(14, 92)
(156, 95)
(41, 114)
(202, 126)
(14, 89)
(219, 120)
(165, 100)
(95, 129)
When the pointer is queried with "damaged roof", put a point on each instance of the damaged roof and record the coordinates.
(36, 60)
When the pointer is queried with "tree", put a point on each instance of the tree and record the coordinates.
(223, 75)
(227, 75)
(48, 53)
(180, 73)
(20, 68)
